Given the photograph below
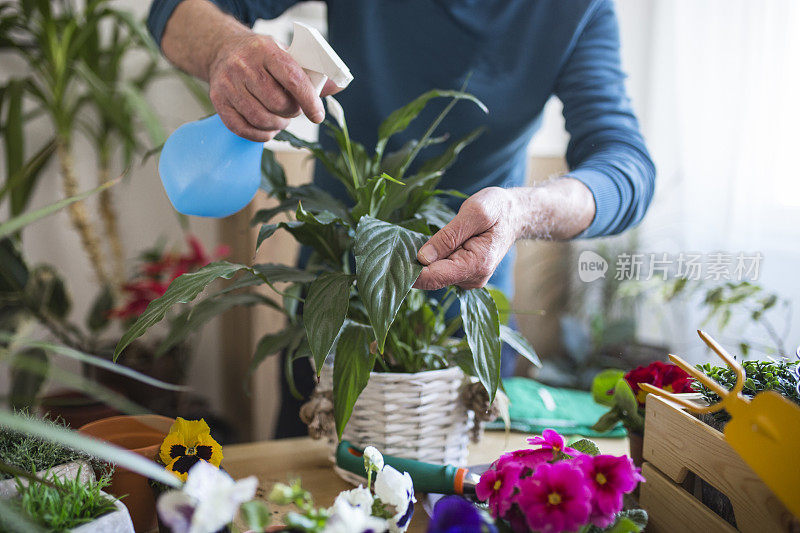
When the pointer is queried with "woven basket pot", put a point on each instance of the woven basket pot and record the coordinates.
(417, 416)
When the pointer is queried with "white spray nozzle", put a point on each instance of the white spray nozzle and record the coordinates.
(315, 55)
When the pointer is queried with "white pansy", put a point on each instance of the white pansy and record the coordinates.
(345, 518)
(397, 490)
(373, 458)
(359, 497)
(335, 110)
(209, 500)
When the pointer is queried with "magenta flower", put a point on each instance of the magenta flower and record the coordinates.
(527, 458)
(557, 497)
(610, 477)
(497, 486)
(551, 440)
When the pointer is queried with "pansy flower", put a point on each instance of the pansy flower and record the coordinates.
(454, 514)
(397, 490)
(557, 497)
(187, 443)
(610, 477)
(551, 440)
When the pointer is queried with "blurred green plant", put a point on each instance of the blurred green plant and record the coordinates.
(724, 302)
(779, 376)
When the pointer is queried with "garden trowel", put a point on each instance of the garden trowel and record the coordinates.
(764, 431)
(209, 171)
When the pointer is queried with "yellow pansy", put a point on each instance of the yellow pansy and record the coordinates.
(188, 442)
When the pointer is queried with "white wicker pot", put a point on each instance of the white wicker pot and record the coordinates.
(417, 416)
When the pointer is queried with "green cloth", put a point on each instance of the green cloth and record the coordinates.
(536, 407)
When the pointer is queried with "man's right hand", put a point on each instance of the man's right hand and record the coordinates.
(254, 84)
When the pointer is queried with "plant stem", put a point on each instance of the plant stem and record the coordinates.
(108, 215)
(78, 215)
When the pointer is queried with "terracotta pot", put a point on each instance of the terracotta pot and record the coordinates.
(141, 434)
(635, 441)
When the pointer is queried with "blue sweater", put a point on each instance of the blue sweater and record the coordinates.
(519, 53)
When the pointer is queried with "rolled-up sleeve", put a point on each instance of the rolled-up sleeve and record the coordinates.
(606, 150)
(245, 11)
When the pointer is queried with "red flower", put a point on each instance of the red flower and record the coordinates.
(659, 374)
(155, 276)
(497, 486)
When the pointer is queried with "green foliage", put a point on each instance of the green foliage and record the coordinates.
(66, 504)
(624, 407)
(725, 301)
(585, 446)
(780, 376)
(379, 322)
(34, 454)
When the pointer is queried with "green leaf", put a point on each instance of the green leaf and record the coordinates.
(97, 319)
(183, 289)
(26, 384)
(142, 108)
(324, 312)
(257, 515)
(17, 223)
(440, 164)
(603, 386)
(273, 176)
(482, 331)
(22, 184)
(14, 272)
(46, 293)
(351, 368)
(624, 397)
(502, 303)
(13, 134)
(435, 213)
(608, 421)
(386, 268)
(277, 273)
(585, 446)
(196, 317)
(99, 362)
(324, 232)
(97, 448)
(399, 119)
(273, 343)
(520, 344)
(629, 521)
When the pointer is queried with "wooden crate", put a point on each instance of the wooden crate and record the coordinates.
(679, 448)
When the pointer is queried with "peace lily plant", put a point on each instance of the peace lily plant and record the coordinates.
(356, 289)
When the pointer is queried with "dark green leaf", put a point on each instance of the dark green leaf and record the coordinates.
(277, 273)
(324, 312)
(273, 177)
(26, 384)
(444, 161)
(13, 134)
(273, 343)
(17, 223)
(13, 270)
(193, 319)
(585, 446)
(603, 386)
(482, 331)
(386, 268)
(46, 293)
(351, 368)
(399, 119)
(608, 421)
(435, 213)
(97, 319)
(520, 344)
(183, 289)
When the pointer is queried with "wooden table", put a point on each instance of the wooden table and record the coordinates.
(280, 460)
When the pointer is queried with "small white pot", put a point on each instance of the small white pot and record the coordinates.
(118, 521)
(75, 469)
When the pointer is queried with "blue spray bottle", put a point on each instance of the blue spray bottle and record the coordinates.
(209, 171)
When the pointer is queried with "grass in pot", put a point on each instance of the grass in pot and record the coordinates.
(357, 302)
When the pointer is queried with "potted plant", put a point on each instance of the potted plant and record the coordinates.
(29, 453)
(356, 289)
(60, 504)
(556, 487)
(621, 391)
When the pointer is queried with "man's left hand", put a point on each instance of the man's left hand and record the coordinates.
(467, 250)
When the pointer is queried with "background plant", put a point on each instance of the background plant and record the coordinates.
(362, 266)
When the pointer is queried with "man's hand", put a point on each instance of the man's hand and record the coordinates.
(467, 250)
(254, 84)
(256, 87)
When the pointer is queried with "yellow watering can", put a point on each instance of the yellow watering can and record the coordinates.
(764, 431)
